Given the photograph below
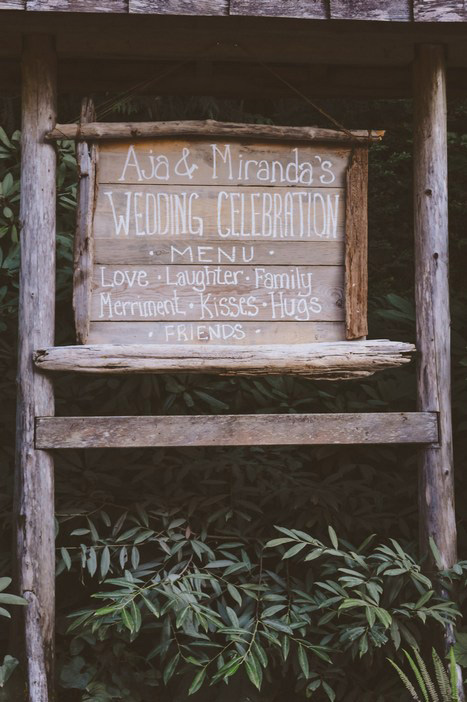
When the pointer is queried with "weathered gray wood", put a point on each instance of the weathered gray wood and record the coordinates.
(86, 157)
(111, 6)
(303, 9)
(436, 467)
(232, 294)
(122, 162)
(216, 333)
(122, 210)
(436, 493)
(121, 251)
(439, 11)
(12, 4)
(203, 200)
(356, 246)
(236, 430)
(338, 360)
(179, 7)
(208, 128)
(34, 493)
(376, 10)
(380, 10)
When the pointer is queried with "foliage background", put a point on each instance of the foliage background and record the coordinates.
(157, 521)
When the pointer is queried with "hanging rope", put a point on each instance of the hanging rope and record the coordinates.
(105, 108)
(304, 97)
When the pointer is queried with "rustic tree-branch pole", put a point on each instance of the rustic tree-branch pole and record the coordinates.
(34, 491)
(432, 298)
(436, 470)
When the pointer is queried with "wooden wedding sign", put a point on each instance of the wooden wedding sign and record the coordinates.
(257, 238)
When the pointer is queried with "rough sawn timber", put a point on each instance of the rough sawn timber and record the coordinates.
(439, 11)
(206, 128)
(356, 245)
(376, 10)
(34, 478)
(236, 430)
(332, 361)
(304, 9)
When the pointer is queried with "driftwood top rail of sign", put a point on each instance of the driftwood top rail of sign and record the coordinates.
(397, 10)
(208, 128)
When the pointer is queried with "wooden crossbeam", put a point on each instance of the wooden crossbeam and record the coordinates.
(206, 128)
(237, 430)
(329, 361)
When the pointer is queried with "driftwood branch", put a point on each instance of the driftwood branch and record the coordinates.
(332, 361)
(208, 128)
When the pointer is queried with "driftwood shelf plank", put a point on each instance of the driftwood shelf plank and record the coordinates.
(207, 128)
(236, 430)
(333, 361)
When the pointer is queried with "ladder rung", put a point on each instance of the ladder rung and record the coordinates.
(237, 430)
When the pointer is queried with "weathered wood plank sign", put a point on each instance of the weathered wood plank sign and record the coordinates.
(233, 241)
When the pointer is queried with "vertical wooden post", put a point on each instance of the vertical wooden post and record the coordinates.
(34, 490)
(86, 155)
(436, 469)
(436, 488)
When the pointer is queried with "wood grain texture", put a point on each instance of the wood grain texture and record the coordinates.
(216, 333)
(436, 492)
(188, 214)
(302, 9)
(209, 250)
(12, 4)
(208, 128)
(439, 11)
(376, 10)
(356, 246)
(205, 200)
(179, 7)
(34, 488)
(236, 430)
(86, 157)
(338, 360)
(232, 294)
(128, 162)
(379, 10)
(108, 6)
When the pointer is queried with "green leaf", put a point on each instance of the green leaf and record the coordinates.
(234, 593)
(333, 537)
(278, 542)
(105, 561)
(127, 620)
(436, 553)
(6, 669)
(4, 583)
(329, 691)
(66, 557)
(170, 668)
(151, 606)
(197, 681)
(254, 671)
(92, 561)
(6, 598)
(294, 550)
(303, 662)
(277, 626)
